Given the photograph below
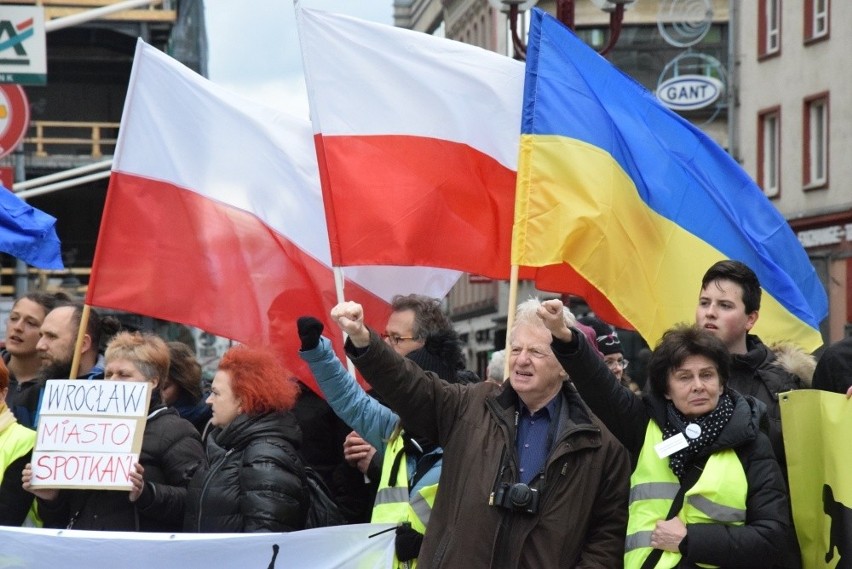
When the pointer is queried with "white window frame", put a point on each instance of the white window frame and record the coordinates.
(771, 153)
(819, 18)
(773, 27)
(817, 142)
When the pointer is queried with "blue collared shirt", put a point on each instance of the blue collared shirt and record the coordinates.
(535, 437)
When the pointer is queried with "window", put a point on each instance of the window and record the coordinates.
(769, 152)
(816, 20)
(815, 150)
(769, 28)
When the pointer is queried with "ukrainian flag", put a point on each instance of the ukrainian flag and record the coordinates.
(640, 202)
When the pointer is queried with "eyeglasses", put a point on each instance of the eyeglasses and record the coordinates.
(394, 340)
(612, 364)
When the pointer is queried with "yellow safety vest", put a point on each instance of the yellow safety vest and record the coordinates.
(16, 441)
(394, 504)
(718, 497)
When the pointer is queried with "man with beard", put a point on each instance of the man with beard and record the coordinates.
(58, 333)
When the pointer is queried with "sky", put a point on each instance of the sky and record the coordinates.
(259, 57)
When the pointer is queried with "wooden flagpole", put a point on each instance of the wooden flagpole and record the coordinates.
(78, 346)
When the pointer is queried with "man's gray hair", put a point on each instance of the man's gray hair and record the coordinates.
(496, 366)
(526, 314)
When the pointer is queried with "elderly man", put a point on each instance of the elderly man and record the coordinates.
(530, 478)
(409, 465)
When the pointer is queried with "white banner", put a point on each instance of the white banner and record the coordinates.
(360, 546)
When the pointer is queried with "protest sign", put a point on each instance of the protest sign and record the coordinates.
(89, 433)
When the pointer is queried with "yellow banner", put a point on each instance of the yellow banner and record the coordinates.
(817, 430)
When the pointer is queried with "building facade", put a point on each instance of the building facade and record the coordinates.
(794, 128)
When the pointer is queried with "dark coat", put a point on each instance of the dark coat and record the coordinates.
(582, 515)
(764, 540)
(22, 398)
(759, 374)
(834, 369)
(254, 479)
(171, 452)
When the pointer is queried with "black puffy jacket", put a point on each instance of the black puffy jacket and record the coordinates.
(254, 479)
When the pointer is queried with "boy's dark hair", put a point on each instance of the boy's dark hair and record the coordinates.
(740, 274)
(679, 343)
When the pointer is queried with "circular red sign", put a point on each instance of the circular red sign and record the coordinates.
(14, 117)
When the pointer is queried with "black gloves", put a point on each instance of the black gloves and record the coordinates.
(407, 542)
(310, 330)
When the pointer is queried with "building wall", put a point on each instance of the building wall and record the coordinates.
(822, 217)
(786, 80)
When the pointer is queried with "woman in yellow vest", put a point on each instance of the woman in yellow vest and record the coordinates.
(706, 490)
(16, 447)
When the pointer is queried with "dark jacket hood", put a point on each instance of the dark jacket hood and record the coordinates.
(441, 354)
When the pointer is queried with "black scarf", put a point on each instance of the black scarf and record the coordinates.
(711, 426)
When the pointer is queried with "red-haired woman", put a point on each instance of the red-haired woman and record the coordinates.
(254, 479)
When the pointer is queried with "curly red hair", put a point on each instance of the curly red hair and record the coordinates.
(261, 383)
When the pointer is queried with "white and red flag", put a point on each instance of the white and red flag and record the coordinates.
(419, 135)
(214, 218)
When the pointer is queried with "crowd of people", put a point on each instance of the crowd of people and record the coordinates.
(556, 458)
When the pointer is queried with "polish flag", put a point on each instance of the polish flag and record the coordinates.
(420, 136)
(214, 218)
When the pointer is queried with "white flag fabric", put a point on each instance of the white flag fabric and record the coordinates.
(361, 546)
(214, 217)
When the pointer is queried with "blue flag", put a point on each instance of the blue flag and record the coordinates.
(28, 233)
(640, 202)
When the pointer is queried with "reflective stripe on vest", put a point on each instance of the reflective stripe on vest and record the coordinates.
(395, 505)
(15, 442)
(719, 496)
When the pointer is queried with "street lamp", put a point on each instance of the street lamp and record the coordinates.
(565, 14)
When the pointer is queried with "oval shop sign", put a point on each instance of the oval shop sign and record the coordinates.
(689, 92)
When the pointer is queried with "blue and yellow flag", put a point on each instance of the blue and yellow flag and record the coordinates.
(816, 427)
(640, 202)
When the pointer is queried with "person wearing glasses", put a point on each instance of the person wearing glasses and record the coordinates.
(706, 490)
(418, 330)
(609, 345)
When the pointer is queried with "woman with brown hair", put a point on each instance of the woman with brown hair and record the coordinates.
(181, 389)
(254, 479)
(171, 450)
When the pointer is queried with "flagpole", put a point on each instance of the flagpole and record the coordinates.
(339, 281)
(510, 319)
(78, 346)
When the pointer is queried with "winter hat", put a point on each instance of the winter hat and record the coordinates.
(605, 337)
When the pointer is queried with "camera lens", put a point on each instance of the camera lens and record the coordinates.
(520, 495)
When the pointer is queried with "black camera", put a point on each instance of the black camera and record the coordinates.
(517, 497)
